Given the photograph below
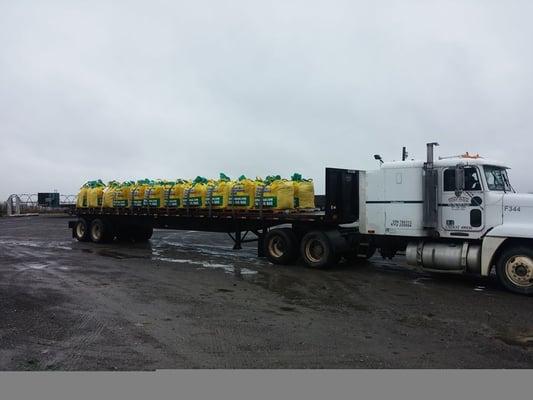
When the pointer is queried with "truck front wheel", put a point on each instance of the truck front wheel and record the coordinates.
(515, 269)
(317, 251)
(281, 246)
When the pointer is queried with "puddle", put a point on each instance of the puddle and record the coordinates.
(227, 268)
(213, 250)
(177, 252)
(420, 281)
(36, 244)
(35, 265)
(523, 340)
(25, 266)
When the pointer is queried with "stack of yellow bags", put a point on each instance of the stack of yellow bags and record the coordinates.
(273, 192)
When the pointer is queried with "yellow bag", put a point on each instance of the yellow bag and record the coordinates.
(304, 192)
(95, 193)
(175, 192)
(242, 193)
(194, 195)
(138, 192)
(274, 193)
(81, 200)
(155, 195)
(217, 194)
(117, 194)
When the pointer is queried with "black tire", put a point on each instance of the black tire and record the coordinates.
(142, 233)
(81, 231)
(101, 231)
(317, 251)
(514, 269)
(281, 246)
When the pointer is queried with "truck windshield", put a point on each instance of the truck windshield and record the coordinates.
(497, 178)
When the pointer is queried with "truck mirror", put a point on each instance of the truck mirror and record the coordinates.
(459, 179)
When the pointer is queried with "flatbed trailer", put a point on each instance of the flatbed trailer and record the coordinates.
(340, 208)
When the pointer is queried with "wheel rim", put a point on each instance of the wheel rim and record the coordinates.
(276, 247)
(519, 270)
(314, 250)
(96, 231)
(80, 230)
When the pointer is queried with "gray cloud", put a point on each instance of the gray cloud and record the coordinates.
(126, 90)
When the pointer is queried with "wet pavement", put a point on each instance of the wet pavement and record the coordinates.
(187, 300)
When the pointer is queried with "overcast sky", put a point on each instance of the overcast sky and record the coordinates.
(168, 89)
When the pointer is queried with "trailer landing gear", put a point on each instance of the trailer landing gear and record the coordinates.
(239, 239)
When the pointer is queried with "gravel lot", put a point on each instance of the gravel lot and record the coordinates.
(186, 300)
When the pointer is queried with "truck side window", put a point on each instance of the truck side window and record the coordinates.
(449, 180)
(471, 179)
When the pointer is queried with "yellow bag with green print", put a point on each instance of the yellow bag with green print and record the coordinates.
(81, 200)
(242, 193)
(304, 192)
(95, 193)
(194, 195)
(218, 191)
(117, 194)
(274, 193)
(155, 194)
(174, 193)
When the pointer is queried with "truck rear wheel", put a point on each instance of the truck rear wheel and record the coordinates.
(514, 269)
(101, 231)
(281, 246)
(81, 230)
(317, 250)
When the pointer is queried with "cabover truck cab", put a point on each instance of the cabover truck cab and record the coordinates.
(453, 215)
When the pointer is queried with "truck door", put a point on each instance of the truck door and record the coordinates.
(462, 213)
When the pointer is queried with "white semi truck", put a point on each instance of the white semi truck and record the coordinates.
(456, 215)
(452, 215)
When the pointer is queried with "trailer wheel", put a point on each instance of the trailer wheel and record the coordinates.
(281, 246)
(81, 230)
(317, 250)
(101, 231)
(142, 233)
(514, 269)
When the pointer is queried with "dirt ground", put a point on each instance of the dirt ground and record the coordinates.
(186, 300)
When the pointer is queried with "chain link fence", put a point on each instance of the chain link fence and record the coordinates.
(25, 203)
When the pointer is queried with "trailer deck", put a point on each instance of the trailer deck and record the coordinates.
(340, 206)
